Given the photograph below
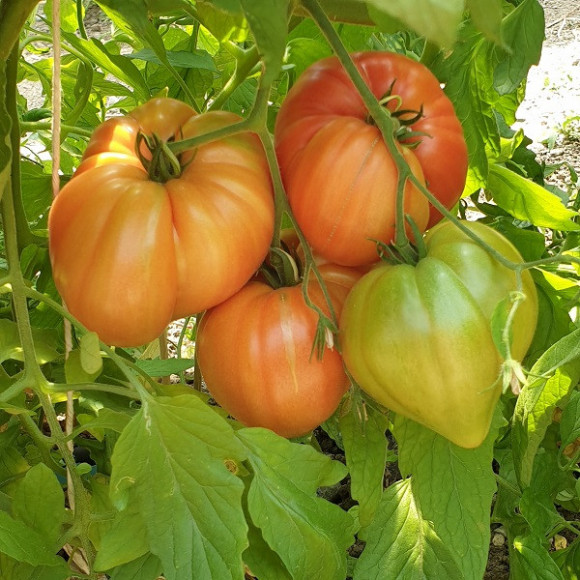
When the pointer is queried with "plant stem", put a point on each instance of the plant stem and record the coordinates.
(33, 126)
(82, 507)
(244, 65)
(101, 388)
(253, 123)
(25, 236)
(123, 365)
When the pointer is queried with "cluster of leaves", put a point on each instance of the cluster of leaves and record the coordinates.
(162, 481)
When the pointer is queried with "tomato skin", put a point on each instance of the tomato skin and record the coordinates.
(340, 177)
(418, 339)
(129, 254)
(255, 354)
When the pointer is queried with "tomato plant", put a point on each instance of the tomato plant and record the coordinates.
(418, 339)
(255, 352)
(339, 175)
(114, 461)
(162, 246)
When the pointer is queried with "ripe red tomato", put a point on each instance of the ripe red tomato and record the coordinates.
(130, 254)
(339, 176)
(418, 339)
(255, 354)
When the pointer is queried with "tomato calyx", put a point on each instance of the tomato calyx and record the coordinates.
(161, 164)
(410, 254)
(280, 269)
(403, 119)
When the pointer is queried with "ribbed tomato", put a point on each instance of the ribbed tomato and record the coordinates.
(418, 339)
(130, 254)
(255, 354)
(339, 176)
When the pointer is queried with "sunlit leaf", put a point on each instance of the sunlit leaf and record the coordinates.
(487, 16)
(454, 487)
(11, 348)
(436, 20)
(526, 200)
(401, 543)
(39, 503)
(268, 23)
(553, 376)
(169, 463)
(308, 533)
(24, 543)
(529, 560)
(523, 34)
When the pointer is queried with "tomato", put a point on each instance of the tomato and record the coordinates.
(130, 254)
(339, 176)
(255, 355)
(418, 338)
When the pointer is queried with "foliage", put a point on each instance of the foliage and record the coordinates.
(153, 478)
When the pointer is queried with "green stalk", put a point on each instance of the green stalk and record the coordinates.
(101, 388)
(25, 236)
(34, 126)
(244, 64)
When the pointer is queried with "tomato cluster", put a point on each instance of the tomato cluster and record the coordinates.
(139, 238)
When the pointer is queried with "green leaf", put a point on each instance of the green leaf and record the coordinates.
(401, 543)
(468, 76)
(36, 190)
(529, 560)
(365, 447)
(125, 540)
(454, 488)
(268, 20)
(68, 14)
(552, 378)
(74, 371)
(90, 354)
(171, 460)
(553, 317)
(12, 569)
(308, 533)
(568, 560)
(487, 17)
(105, 419)
(531, 244)
(117, 65)
(134, 14)
(11, 348)
(523, 35)
(178, 58)
(164, 367)
(147, 567)
(24, 543)
(526, 200)
(260, 558)
(436, 20)
(570, 420)
(39, 503)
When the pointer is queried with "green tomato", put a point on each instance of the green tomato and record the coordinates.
(418, 339)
